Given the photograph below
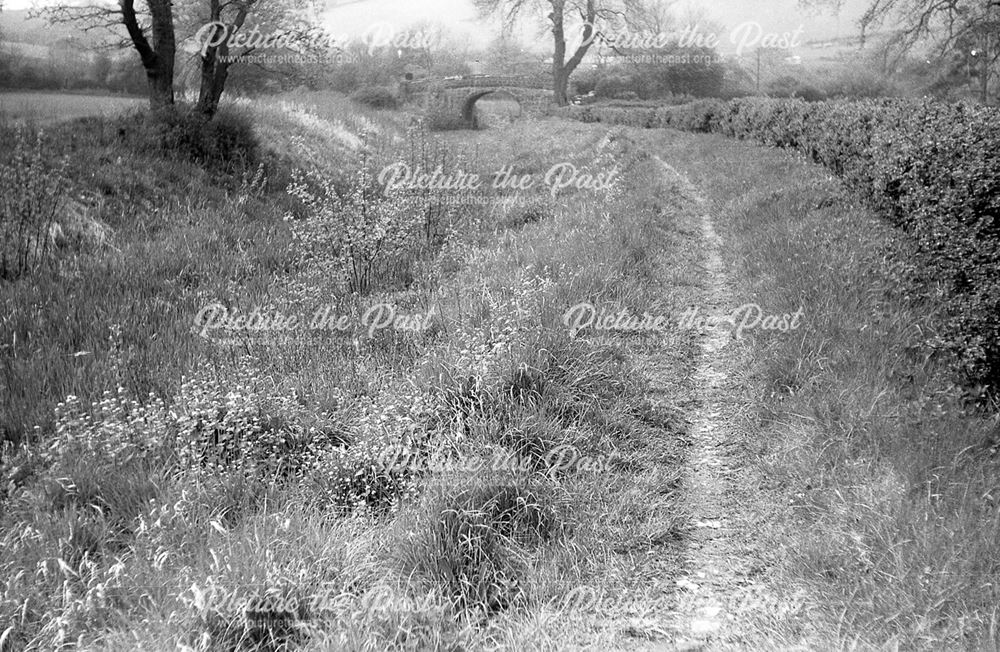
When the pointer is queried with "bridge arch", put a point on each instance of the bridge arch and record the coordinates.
(469, 105)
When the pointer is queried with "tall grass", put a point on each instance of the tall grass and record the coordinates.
(256, 499)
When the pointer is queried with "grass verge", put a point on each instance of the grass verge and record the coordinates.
(888, 476)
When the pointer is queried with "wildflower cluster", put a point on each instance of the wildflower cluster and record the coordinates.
(234, 427)
(115, 430)
(210, 427)
(365, 474)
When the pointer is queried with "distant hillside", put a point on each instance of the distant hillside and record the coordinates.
(17, 27)
(786, 15)
(35, 55)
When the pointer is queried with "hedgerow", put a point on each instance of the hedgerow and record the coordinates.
(933, 169)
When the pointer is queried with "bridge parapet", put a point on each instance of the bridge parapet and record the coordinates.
(459, 94)
(479, 81)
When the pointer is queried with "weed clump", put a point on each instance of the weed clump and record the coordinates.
(31, 194)
(473, 541)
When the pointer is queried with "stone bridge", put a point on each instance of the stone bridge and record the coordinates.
(460, 94)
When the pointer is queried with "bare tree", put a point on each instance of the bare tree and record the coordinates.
(150, 33)
(654, 15)
(155, 29)
(590, 16)
(662, 17)
(505, 56)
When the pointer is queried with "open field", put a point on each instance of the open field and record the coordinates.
(47, 107)
(264, 390)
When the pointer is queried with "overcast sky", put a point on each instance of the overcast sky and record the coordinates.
(355, 17)
(459, 16)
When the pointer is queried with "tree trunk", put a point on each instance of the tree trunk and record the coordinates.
(210, 92)
(213, 82)
(560, 77)
(158, 57)
(161, 83)
(561, 68)
(215, 62)
(160, 80)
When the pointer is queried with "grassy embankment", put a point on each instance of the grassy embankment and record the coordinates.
(344, 486)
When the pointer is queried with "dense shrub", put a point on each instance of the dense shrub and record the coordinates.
(345, 78)
(788, 87)
(229, 136)
(585, 82)
(613, 86)
(227, 139)
(932, 168)
(696, 116)
(697, 71)
(377, 97)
